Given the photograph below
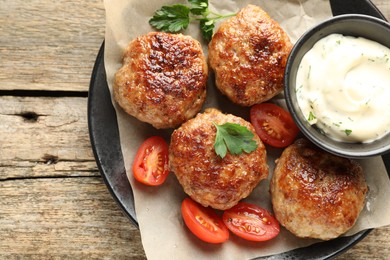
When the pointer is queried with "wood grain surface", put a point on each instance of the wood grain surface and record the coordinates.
(53, 201)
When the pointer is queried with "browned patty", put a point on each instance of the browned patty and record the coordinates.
(248, 54)
(205, 177)
(316, 194)
(163, 79)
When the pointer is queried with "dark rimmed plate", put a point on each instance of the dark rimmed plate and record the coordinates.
(104, 135)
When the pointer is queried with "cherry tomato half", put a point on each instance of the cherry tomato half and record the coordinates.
(203, 222)
(150, 164)
(251, 222)
(273, 124)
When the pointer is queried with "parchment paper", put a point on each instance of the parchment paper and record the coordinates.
(164, 235)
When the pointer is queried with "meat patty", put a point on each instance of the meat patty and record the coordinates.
(248, 54)
(316, 194)
(205, 177)
(163, 79)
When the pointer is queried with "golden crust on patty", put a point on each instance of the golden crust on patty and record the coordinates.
(205, 177)
(163, 79)
(317, 194)
(248, 54)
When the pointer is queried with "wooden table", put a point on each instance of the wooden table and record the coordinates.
(53, 201)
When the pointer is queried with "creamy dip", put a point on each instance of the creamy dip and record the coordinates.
(343, 87)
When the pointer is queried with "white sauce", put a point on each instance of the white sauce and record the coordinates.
(343, 87)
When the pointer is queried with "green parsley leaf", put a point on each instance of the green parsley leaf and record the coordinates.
(348, 132)
(311, 116)
(234, 138)
(308, 73)
(207, 28)
(172, 18)
(199, 7)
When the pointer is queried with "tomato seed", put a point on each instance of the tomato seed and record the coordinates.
(204, 223)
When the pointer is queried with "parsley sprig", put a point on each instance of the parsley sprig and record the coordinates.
(234, 138)
(177, 17)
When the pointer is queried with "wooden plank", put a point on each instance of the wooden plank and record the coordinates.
(44, 136)
(375, 246)
(49, 45)
(72, 218)
(52, 45)
(77, 218)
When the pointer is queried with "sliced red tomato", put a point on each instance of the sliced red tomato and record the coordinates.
(203, 222)
(150, 164)
(273, 124)
(251, 222)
